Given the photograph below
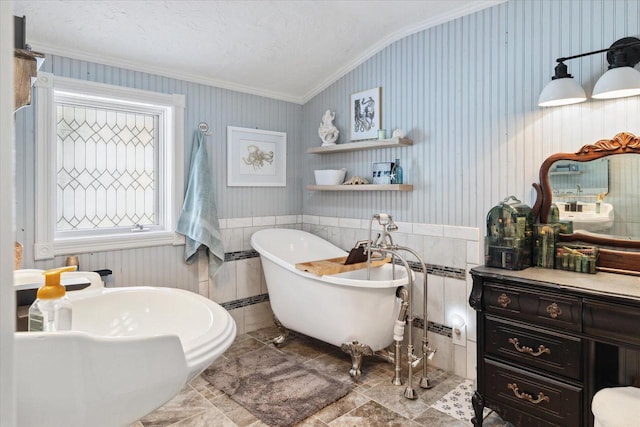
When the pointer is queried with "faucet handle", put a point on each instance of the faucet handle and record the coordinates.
(362, 243)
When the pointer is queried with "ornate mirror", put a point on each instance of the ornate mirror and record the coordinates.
(598, 189)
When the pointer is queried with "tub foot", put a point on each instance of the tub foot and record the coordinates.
(356, 351)
(284, 333)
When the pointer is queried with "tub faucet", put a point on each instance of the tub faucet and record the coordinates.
(384, 244)
(386, 221)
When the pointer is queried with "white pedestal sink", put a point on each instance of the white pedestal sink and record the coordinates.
(131, 350)
(588, 219)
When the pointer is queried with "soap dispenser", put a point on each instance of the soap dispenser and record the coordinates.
(51, 311)
(599, 202)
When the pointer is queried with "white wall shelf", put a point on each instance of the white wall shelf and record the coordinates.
(362, 187)
(362, 145)
(566, 173)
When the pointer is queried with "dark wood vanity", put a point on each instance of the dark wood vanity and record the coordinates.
(548, 340)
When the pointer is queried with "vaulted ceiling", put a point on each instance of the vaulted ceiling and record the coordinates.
(284, 49)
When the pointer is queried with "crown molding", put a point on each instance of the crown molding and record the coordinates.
(159, 71)
(287, 97)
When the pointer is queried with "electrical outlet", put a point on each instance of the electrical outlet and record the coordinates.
(459, 335)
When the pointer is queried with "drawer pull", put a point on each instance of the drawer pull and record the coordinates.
(524, 349)
(525, 396)
(504, 300)
(554, 311)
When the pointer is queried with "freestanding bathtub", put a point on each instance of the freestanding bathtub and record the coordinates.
(346, 309)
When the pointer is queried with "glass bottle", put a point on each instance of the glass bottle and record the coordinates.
(554, 214)
(397, 176)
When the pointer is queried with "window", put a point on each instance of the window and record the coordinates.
(109, 168)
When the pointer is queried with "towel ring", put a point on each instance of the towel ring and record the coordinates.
(204, 128)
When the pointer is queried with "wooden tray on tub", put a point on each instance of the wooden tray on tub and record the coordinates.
(324, 267)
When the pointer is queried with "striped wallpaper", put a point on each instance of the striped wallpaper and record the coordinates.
(464, 91)
(163, 266)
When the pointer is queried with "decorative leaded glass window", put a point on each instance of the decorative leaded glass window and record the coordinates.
(106, 169)
(114, 159)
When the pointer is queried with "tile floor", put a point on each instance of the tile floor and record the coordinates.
(372, 402)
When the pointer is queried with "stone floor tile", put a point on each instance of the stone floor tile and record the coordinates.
(311, 422)
(392, 397)
(348, 403)
(494, 420)
(210, 418)
(205, 388)
(372, 414)
(185, 405)
(265, 335)
(434, 418)
(234, 411)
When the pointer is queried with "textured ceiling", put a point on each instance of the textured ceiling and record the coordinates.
(288, 50)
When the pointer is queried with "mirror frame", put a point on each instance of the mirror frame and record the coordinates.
(619, 261)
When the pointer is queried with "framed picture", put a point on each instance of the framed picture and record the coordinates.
(256, 158)
(382, 173)
(365, 114)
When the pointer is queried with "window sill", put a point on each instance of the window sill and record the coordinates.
(106, 243)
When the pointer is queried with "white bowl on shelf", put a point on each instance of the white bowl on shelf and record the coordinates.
(330, 176)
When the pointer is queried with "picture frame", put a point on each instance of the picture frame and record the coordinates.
(365, 112)
(382, 172)
(256, 158)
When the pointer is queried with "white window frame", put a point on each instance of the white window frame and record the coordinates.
(48, 243)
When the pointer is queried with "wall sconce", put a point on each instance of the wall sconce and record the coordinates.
(619, 81)
(459, 335)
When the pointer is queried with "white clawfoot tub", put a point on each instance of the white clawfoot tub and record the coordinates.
(130, 350)
(346, 310)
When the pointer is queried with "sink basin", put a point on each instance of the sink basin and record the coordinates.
(130, 350)
(588, 219)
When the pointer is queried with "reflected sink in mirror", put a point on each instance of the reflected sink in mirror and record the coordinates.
(587, 219)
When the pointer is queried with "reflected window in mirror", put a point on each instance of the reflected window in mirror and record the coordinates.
(625, 180)
(571, 180)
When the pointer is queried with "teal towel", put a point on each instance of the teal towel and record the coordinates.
(198, 220)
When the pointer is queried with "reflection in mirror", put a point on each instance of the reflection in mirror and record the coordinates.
(615, 179)
(624, 195)
(571, 180)
(598, 189)
(578, 190)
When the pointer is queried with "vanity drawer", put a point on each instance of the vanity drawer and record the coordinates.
(612, 321)
(543, 308)
(552, 352)
(556, 402)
